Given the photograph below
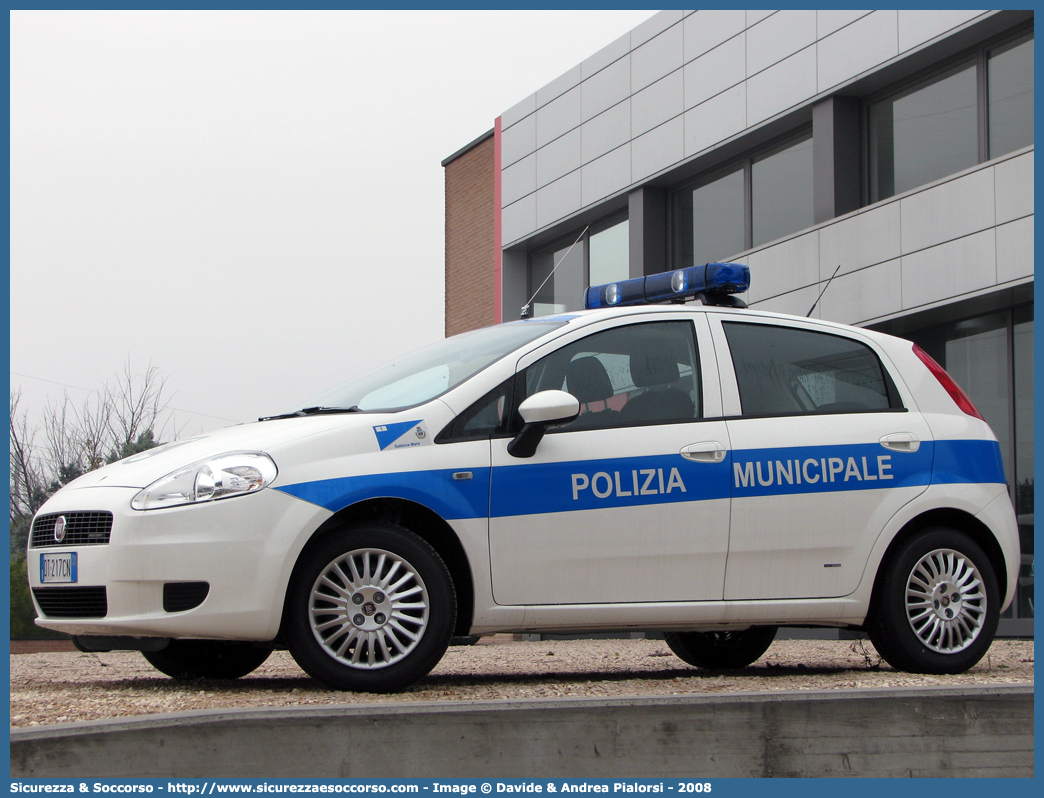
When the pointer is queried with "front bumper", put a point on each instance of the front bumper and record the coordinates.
(244, 548)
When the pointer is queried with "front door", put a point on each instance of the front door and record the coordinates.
(630, 502)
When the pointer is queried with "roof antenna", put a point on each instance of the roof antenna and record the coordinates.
(527, 309)
(825, 287)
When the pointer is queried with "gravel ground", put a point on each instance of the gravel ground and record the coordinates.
(68, 687)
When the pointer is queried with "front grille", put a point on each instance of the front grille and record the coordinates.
(72, 602)
(182, 596)
(81, 529)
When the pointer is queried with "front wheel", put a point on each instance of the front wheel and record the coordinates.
(207, 659)
(937, 604)
(371, 608)
(722, 651)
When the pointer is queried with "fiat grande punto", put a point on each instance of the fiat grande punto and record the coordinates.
(665, 460)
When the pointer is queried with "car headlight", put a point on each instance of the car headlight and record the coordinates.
(221, 477)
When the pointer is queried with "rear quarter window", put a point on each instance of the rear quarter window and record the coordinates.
(786, 371)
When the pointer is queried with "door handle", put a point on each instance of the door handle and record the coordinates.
(901, 442)
(704, 452)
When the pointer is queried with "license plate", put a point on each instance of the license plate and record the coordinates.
(58, 567)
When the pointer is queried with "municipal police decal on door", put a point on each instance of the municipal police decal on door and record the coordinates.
(650, 480)
(403, 435)
(822, 469)
(597, 484)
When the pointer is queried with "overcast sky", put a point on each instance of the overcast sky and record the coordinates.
(252, 201)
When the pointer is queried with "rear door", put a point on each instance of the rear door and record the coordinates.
(824, 454)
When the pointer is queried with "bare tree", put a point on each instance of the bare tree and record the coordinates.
(135, 404)
(120, 419)
(28, 480)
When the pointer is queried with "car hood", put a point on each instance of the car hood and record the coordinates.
(141, 470)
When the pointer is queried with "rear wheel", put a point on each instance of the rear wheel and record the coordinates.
(371, 609)
(937, 604)
(722, 650)
(207, 659)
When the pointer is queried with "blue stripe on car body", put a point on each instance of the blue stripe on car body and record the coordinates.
(539, 488)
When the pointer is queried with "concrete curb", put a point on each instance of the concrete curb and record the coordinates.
(923, 732)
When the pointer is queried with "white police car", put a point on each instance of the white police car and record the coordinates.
(701, 469)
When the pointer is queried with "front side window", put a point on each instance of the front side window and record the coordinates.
(626, 376)
(787, 371)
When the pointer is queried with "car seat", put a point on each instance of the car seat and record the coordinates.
(655, 368)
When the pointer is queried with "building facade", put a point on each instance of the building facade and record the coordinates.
(891, 151)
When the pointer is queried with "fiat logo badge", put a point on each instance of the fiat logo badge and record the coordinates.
(59, 529)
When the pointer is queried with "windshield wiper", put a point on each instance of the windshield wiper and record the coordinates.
(314, 411)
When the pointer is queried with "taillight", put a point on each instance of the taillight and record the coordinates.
(946, 381)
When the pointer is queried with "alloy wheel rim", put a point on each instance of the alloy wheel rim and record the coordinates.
(368, 608)
(945, 601)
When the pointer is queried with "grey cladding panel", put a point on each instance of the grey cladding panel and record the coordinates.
(656, 59)
(558, 86)
(558, 117)
(657, 149)
(705, 30)
(607, 175)
(654, 105)
(715, 71)
(606, 132)
(518, 141)
(558, 158)
(778, 37)
(602, 91)
(654, 26)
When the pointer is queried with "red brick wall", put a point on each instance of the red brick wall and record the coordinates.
(470, 252)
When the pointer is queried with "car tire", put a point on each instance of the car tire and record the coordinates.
(937, 604)
(371, 608)
(726, 650)
(207, 659)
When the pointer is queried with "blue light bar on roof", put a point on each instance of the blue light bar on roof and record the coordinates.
(673, 286)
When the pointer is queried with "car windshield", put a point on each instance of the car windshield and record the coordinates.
(422, 375)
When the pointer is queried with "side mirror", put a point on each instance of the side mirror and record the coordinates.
(541, 411)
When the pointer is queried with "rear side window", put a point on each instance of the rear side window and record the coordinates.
(787, 371)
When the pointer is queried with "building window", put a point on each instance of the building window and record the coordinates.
(938, 127)
(559, 274)
(991, 357)
(766, 196)
(923, 135)
(781, 192)
(712, 220)
(1010, 91)
(609, 255)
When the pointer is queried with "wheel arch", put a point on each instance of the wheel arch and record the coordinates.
(423, 522)
(955, 519)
